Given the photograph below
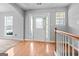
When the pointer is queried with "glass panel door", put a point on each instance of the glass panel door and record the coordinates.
(40, 28)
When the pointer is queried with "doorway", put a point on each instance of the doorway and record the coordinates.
(40, 27)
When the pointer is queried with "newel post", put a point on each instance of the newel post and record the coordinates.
(55, 38)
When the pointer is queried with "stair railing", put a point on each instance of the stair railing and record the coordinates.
(67, 44)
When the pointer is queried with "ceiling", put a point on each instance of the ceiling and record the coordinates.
(5, 7)
(28, 6)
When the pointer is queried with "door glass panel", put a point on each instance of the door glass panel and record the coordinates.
(39, 23)
(47, 29)
(31, 34)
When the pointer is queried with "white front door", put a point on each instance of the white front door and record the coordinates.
(40, 27)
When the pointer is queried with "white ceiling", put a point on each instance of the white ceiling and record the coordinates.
(27, 6)
(5, 7)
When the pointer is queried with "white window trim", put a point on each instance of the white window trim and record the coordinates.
(5, 33)
(60, 17)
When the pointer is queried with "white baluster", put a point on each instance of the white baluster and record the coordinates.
(78, 53)
(65, 46)
(72, 48)
(69, 46)
(78, 48)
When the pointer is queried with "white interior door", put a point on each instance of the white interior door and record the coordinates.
(40, 27)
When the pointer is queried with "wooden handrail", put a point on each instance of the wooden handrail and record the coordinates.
(66, 33)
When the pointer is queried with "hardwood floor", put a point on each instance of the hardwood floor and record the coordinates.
(32, 48)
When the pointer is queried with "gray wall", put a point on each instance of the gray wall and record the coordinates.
(73, 17)
(52, 20)
(18, 20)
(73, 20)
(17, 25)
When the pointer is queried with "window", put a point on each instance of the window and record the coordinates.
(60, 17)
(8, 25)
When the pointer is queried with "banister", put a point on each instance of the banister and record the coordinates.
(66, 48)
(66, 33)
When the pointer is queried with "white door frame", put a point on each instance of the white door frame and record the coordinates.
(42, 14)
